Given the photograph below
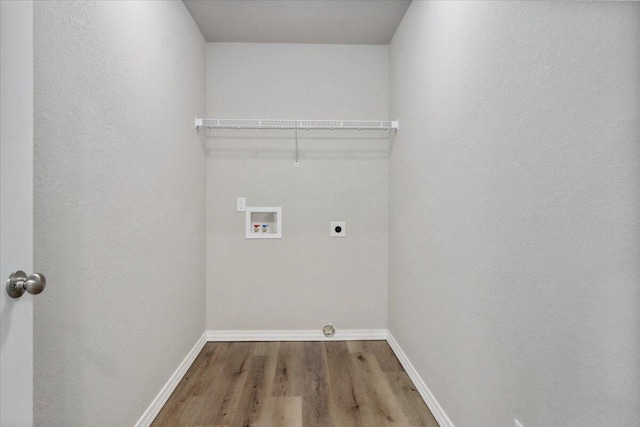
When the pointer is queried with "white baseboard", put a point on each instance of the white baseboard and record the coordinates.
(297, 335)
(435, 408)
(157, 404)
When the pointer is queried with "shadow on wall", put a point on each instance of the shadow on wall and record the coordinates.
(316, 145)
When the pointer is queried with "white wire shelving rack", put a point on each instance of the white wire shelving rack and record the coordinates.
(298, 125)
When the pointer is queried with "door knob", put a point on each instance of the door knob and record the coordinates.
(18, 282)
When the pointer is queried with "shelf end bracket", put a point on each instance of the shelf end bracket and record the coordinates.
(297, 164)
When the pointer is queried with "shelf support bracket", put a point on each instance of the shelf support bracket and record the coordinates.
(297, 164)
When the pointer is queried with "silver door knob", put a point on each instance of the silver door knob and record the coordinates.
(18, 282)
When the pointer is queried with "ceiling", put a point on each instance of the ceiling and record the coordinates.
(298, 21)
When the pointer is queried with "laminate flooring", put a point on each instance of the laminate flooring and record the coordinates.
(295, 384)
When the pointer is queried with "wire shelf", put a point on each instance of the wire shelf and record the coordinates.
(296, 124)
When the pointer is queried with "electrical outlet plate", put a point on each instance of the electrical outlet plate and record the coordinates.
(241, 204)
(338, 225)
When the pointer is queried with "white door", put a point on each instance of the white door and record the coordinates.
(16, 210)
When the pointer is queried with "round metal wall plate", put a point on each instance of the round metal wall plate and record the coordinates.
(328, 330)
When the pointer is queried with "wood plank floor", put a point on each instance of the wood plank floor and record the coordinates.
(297, 384)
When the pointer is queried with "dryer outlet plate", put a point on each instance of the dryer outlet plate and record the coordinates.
(338, 229)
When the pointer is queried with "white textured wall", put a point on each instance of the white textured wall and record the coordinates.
(515, 209)
(119, 206)
(307, 278)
